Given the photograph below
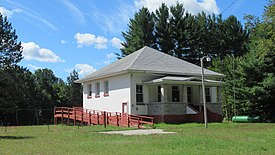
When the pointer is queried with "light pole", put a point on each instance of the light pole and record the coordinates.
(203, 90)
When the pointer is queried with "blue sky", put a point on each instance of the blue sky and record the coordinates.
(84, 35)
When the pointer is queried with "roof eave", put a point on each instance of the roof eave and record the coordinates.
(100, 77)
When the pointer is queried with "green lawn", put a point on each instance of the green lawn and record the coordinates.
(219, 138)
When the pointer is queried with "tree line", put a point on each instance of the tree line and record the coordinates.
(20, 89)
(245, 54)
(174, 31)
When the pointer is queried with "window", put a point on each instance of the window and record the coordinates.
(106, 88)
(189, 94)
(139, 93)
(207, 94)
(97, 90)
(159, 93)
(89, 90)
(175, 94)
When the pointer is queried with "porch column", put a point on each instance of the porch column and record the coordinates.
(219, 94)
(181, 93)
(184, 93)
(163, 90)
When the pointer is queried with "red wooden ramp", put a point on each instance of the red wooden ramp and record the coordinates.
(94, 117)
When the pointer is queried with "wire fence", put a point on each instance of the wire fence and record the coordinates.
(19, 117)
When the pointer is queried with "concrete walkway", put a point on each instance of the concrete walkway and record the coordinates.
(139, 132)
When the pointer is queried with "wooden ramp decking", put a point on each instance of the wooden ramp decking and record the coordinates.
(82, 116)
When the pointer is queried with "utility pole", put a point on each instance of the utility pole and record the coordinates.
(203, 90)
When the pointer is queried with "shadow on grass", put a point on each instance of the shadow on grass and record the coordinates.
(16, 137)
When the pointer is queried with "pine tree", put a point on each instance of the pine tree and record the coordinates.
(163, 30)
(140, 32)
(10, 50)
(257, 71)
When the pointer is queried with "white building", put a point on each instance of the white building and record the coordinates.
(149, 82)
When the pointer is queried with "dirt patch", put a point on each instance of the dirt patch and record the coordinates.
(139, 132)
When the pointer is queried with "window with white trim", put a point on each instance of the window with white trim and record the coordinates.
(89, 89)
(139, 93)
(189, 94)
(97, 89)
(159, 93)
(106, 88)
(207, 94)
(175, 94)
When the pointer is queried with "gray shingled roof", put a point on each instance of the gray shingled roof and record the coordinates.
(150, 60)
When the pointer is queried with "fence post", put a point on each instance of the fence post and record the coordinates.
(68, 121)
(74, 116)
(117, 121)
(55, 118)
(128, 119)
(104, 119)
(81, 117)
(97, 118)
(90, 117)
(62, 116)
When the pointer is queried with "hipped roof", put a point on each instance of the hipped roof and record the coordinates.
(149, 60)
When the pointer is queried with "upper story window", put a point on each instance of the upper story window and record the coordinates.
(139, 93)
(175, 94)
(189, 94)
(106, 88)
(89, 90)
(97, 89)
(207, 94)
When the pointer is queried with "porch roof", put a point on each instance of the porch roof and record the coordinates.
(184, 80)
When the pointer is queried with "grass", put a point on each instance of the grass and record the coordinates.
(219, 138)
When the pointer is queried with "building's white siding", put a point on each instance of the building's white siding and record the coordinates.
(119, 92)
(140, 78)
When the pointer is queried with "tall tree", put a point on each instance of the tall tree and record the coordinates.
(140, 32)
(257, 72)
(10, 50)
(180, 30)
(163, 30)
(75, 91)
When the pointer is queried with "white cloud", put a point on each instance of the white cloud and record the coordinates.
(84, 69)
(33, 67)
(88, 39)
(7, 12)
(63, 42)
(32, 51)
(109, 58)
(79, 16)
(114, 20)
(33, 15)
(192, 6)
(116, 43)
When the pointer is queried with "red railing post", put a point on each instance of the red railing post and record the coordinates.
(55, 117)
(97, 116)
(104, 119)
(128, 119)
(62, 116)
(89, 118)
(117, 119)
(74, 116)
(81, 117)
(68, 121)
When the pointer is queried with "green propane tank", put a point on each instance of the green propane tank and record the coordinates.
(245, 119)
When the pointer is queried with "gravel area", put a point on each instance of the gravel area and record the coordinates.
(139, 132)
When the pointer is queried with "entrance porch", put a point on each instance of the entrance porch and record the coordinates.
(179, 99)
